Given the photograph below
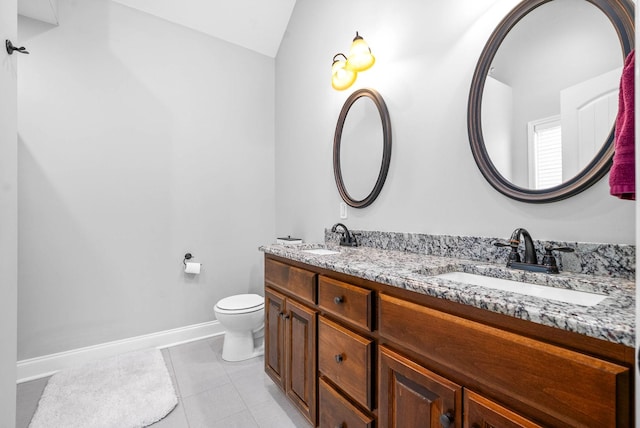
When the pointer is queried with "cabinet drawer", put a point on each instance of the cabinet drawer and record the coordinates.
(346, 301)
(299, 282)
(336, 411)
(345, 358)
(563, 386)
(482, 412)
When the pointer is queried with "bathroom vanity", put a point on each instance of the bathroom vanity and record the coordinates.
(367, 337)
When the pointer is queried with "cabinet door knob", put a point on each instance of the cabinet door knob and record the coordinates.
(341, 425)
(446, 420)
(284, 316)
(338, 299)
(339, 358)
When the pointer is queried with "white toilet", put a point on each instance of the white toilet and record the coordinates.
(242, 317)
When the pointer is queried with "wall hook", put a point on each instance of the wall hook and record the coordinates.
(11, 48)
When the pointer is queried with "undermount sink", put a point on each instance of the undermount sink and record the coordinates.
(321, 251)
(560, 294)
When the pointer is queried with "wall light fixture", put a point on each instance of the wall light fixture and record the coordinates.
(360, 57)
(344, 72)
(341, 77)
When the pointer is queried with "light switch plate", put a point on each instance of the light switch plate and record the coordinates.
(343, 210)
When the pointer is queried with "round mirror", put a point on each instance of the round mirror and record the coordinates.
(544, 96)
(362, 148)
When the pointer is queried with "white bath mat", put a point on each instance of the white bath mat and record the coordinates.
(126, 391)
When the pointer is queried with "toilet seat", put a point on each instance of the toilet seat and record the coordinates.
(240, 304)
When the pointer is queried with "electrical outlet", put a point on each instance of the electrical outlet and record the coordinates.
(343, 210)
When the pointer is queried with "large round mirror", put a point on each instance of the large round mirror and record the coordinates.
(362, 148)
(544, 96)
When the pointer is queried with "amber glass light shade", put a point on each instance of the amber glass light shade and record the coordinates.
(360, 57)
(341, 78)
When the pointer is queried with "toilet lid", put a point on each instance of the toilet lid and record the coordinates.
(241, 301)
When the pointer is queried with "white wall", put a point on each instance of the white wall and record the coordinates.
(139, 141)
(426, 54)
(8, 216)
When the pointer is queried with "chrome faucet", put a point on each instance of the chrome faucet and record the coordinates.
(530, 263)
(348, 239)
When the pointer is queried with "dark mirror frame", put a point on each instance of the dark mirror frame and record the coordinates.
(621, 14)
(386, 153)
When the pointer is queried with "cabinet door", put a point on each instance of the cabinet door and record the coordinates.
(412, 396)
(480, 412)
(300, 339)
(274, 356)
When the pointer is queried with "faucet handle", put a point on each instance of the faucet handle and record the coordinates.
(348, 240)
(550, 261)
(514, 256)
(549, 249)
(501, 244)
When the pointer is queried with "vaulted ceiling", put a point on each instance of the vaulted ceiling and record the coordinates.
(258, 25)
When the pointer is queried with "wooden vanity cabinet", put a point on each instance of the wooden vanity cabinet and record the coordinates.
(354, 353)
(291, 334)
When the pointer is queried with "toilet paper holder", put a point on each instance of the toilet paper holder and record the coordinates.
(187, 256)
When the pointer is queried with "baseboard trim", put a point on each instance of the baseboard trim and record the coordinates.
(39, 367)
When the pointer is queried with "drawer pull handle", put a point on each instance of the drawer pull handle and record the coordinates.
(338, 299)
(446, 420)
(339, 358)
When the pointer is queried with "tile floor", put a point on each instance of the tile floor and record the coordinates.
(211, 392)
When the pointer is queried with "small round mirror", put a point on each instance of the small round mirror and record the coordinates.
(362, 148)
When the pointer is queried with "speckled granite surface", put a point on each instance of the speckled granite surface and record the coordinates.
(613, 319)
(614, 260)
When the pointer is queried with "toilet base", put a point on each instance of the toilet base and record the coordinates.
(239, 346)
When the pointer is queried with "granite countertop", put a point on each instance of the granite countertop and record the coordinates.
(612, 320)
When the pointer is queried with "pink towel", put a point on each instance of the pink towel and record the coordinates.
(622, 177)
